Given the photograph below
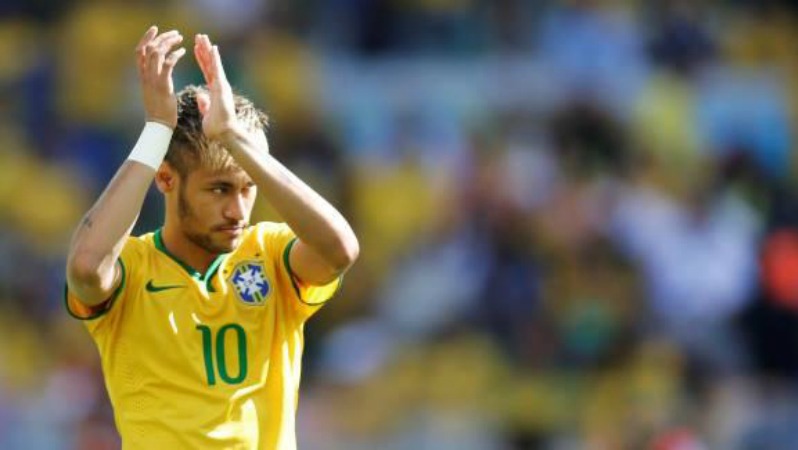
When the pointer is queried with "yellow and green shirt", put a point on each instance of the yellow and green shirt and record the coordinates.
(211, 361)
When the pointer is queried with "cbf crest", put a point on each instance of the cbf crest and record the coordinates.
(250, 283)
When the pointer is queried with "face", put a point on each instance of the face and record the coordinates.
(214, 207)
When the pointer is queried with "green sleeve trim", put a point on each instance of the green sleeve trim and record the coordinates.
(287, 262)
(108, 303)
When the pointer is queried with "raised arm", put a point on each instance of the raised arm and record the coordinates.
(326, 245)
(92, 272)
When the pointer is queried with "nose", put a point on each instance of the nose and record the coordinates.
(235, 208)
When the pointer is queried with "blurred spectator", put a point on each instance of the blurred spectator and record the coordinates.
(594, 48)
(699, 262)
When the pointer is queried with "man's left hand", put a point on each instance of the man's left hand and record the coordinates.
(218, 106)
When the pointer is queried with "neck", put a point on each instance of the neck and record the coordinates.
(184, 249)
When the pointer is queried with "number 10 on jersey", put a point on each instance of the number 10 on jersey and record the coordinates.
(219, 354)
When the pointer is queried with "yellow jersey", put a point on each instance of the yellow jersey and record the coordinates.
(211, 361)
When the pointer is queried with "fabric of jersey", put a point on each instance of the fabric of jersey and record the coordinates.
(205, 361)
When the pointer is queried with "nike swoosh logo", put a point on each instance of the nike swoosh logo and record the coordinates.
(153, 288)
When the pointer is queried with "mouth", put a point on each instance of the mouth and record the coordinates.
(231, 230)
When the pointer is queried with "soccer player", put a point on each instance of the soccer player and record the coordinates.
(199, 325)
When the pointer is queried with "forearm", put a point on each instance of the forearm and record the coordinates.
(100, 237)
(98, 240)
(314, 220)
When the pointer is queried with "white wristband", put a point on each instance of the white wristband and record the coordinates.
(152, 145)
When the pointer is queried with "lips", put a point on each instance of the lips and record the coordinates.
(233, 230)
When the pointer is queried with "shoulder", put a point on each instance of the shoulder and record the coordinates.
(138, 246)
(137, 252)
(270, 228)
(129, 264)
(266, 235)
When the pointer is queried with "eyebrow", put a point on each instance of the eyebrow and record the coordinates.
(228, 184)
(220, 183)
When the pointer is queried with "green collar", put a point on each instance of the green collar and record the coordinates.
(212, 269)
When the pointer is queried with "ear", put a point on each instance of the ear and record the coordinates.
(166, 178)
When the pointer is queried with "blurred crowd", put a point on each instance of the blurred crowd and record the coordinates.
(578, 217)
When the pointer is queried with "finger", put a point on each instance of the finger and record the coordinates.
(141, 63)
(140, 49)
(167, 43)
(205, 50)
(207, 47)
(197, 52)
(148, 35)
(157, 54)
(218, 68)
(171, 60)
(154, 44)
(155, 59)
(201, 52)
(161, 37)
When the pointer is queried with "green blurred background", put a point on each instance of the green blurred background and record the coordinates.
(578, 221)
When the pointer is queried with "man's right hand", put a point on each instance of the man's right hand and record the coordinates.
(155, 62)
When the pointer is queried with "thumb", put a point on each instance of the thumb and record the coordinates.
(203, 103)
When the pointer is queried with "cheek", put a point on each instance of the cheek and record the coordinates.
(205, 206)
(249, 200)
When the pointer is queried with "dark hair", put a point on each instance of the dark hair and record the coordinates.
(190, 148)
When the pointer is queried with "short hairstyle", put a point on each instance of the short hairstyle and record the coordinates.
(190, 148)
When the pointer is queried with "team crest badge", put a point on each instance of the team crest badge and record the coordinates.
(250, 283)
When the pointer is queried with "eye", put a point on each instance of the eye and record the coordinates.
(219, 190)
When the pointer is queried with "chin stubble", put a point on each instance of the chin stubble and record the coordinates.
(202, 240)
